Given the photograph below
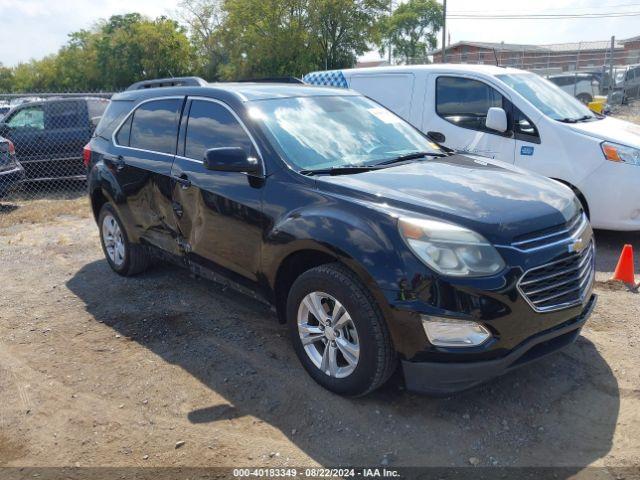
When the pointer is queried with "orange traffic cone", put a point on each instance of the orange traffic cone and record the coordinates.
(624, 269)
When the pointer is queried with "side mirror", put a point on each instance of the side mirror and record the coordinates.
(496, 120)
(4, 128)
(230, 159)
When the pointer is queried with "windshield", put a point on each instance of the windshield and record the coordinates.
(547, 97)
(337, 131)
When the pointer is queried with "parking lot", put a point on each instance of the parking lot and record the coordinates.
(165, 369)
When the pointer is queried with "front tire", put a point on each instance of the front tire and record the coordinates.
(338, 331)
(124, 257)
(585, 98)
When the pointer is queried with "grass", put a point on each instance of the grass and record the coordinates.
(42, 210)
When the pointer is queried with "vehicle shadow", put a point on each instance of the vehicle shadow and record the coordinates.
(561, 411)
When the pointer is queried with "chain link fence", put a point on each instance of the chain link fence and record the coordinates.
(42, 136)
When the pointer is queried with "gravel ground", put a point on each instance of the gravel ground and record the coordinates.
(168, 370)
(629, 112)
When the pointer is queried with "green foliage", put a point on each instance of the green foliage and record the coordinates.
(410, 32)
(229, 39)
(204, 19)
(343, 29)
(116, 53)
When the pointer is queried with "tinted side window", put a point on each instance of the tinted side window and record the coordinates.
(465, 102)
(155, 126)
(211, 125)
(29, 117)
(64, 114)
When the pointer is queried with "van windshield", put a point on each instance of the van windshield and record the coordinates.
(337, 131)
(548, 98)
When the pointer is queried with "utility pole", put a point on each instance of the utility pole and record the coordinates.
(390, 13)
(612, 82)
(444, 31)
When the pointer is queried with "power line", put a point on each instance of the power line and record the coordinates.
(595, 7)
(543, 16)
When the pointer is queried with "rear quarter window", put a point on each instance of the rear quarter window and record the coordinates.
(95, 109)
(114, 114)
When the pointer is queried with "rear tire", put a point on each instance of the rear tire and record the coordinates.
(354, 332)
(124, 257)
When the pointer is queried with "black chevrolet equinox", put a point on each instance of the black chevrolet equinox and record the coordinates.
(375, 245)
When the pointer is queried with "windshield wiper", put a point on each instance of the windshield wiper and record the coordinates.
(576, 120)
(340, 170)
(412, 156)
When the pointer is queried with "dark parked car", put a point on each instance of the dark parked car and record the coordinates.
(374, 244)
(11, 172)
(49, 135)
(4, 109)
(628, 82)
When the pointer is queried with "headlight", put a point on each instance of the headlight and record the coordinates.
(450, 249)
(615, 152)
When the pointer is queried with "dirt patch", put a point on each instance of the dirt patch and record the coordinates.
(629, 112)
(42, 211)
(109, 371)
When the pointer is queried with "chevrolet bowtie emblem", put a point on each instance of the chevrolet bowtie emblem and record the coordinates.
(577, 246)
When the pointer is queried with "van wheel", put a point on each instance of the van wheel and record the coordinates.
(338, 331)
(125, 258)
(584, 98)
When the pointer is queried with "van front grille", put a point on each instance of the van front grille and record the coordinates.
(559, 284)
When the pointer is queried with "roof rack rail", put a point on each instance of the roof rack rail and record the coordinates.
(169, 82)
(272, 80)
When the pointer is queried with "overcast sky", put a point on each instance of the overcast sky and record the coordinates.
(34, 28)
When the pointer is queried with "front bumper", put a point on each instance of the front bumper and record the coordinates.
(443, 378)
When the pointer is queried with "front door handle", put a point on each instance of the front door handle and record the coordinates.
(183, 180)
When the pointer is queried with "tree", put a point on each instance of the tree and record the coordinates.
(203, 19)
(410, 31)
(6, 79)
(343, 29)
(266, 38)
(131, 48)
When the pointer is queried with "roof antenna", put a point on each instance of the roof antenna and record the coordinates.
(496, 57)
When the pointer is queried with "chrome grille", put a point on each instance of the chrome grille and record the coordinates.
(559, 284)
(551, 236)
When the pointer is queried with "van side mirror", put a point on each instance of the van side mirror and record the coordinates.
(496, 120)
(4, 128)
(230, 159)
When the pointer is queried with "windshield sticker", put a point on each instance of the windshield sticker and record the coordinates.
(383, 114)
(526, 150)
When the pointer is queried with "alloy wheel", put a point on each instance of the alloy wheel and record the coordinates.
(328, 334)
(113, 241)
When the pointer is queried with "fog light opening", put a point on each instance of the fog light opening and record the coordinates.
(449, 332)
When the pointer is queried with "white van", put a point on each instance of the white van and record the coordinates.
(516, 117)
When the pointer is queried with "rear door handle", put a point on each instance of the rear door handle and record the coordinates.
(117, 161)
(183, 180)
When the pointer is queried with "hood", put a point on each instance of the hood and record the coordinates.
(610, 129)
(490, 197)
